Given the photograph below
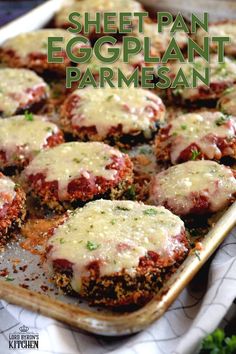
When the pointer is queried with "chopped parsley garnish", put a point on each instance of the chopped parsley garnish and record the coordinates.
(94, 67)
(222, 120)
(91, 246)
(109, 97)
(29, 116)
(48, 129)
(122, 208)
(9, 278)
(197, 65)
(113, 221)
(221, 67)
(195, 154)
(76, 160)
(150, 212)
(62, 241)
(184, 126)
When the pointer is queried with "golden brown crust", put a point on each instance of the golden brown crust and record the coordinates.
(12, 215)
(121, 291)
(81, 190)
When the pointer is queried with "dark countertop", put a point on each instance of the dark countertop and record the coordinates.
(11, 9)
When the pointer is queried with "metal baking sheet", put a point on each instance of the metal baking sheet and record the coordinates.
(29, 285)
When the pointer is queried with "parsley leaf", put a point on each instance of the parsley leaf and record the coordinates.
(150, 212)
(122, 208)
(91, 246)
(109, 97)
(9, 278)
(195, 154)
(222, 120)
(29, 116)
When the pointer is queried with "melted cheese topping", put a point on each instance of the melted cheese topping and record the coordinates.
(160, 41)
(180, 183)
(219, 72)
(14, 84)
(199, 129)
(227, 102)
(21, 138)
(115, 233)
(127, 68)
(96, 6)
(36, 42)
(7, 190)
(70, 161)
(227, 29)
(133, 108)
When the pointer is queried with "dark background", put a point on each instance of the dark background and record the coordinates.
(11, 9)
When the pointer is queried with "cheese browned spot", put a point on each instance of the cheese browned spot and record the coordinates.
(134, 109)
(194, 187)
(36, 42)
(94, 6)
(227, 102)
(222, 75)
(116, 234)
(201, 129)
(7, 190)
(70, 161)
(220, 29)
(160, 41)
(17, 87)
(22, 138)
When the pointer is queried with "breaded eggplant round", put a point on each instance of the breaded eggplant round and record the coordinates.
(112, 114)
(20, 90)
(29, 50)
(116, 253)
(194, 187)
(23, 137)
(193, 136)
(225, 28)
(74, 173)
(12, 207)
(222, 76)
(227, 101)
(101, 6)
